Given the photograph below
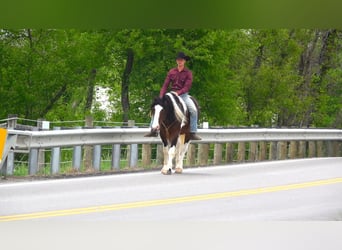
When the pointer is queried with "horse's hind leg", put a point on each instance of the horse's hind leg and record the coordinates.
(182, 148)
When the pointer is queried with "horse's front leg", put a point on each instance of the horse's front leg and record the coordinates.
(165, 169)
(169, 154)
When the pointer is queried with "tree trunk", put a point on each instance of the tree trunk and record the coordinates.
(314, 64)
(29, 83)
(54, 99)
(306, 69)
(324, 61)
(90, 92)
(125, 85)
(250, 88)
(29, 36)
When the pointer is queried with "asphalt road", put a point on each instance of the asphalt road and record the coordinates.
(309, 189)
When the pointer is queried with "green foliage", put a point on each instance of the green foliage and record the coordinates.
(276, 77)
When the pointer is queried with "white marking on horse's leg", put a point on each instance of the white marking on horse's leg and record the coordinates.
(185, 149)
(167, 169)
(166, 154)
(169, 154)
(179, 164)
(172, 152)
(166, 159)
(181, 157)
(179, 147)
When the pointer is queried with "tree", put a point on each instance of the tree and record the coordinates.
(279, 77)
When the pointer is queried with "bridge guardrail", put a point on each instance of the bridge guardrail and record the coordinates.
(267, 143)
(100, 136)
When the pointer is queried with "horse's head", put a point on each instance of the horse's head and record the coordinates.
(156, 110)
(166, 109)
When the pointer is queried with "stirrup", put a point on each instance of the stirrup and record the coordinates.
(151, 134)
(193, 136)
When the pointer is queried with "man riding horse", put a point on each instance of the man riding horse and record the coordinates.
(181, 79)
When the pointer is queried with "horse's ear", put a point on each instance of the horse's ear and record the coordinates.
(156, 101)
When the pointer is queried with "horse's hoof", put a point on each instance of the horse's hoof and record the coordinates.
(166, 172)
(179, 170)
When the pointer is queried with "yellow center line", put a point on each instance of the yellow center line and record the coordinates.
(168, 201)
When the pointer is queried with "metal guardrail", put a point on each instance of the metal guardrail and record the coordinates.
(34, 142)
(103, 136)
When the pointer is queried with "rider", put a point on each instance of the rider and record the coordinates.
(181, 79)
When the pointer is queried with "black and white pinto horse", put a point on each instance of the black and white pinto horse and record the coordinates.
(171, 118)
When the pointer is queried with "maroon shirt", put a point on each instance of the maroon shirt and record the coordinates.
(181, 81)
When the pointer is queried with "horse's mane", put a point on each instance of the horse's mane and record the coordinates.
(176, 102)
(174, 106)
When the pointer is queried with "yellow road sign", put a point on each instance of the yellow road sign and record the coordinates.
(3, 137)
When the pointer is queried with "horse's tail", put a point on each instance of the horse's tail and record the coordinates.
(180, 115)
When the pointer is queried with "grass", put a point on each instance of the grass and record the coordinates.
(21, 168)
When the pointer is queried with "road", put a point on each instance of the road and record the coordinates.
(307, 189)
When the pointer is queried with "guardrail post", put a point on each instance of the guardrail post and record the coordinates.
(88, 149)
(253, 151)
(6, 153)
(116, 152)
(55, 157)
(333, 148)
(320, 149)
(241, 152)
(133, 160)
(203, 152)
(329, 148)
(42, 125)
(133, 149)
(191, 155)
(282, 149)
(97, 157)
(146, 154)
(217, 153)
(263, 151)
(312, 149)
(229, 152)
(160, 154)
(7, 147)
(9, 164)
(33, 159)
(273, 151)
(97, 149)
(336, 147)
(77, 156)
(12, 121)
(293, 150)
(302, 149)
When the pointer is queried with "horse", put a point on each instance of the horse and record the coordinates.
(172, 119)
